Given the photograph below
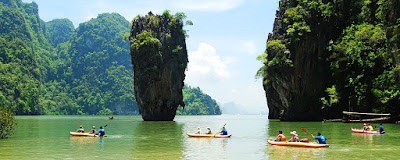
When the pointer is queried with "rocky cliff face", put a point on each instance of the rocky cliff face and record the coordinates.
(159, 59)
(322, 59)
(394, 20)
(297, 71)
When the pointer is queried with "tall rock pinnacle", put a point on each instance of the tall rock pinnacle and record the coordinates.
(159, 59)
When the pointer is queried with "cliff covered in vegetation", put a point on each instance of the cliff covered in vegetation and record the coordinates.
(324, 57)
(159, 59)
(53, 68)
(198, 103)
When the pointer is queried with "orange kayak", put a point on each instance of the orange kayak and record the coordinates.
(84, 134)
(298, 144)
(208, 135)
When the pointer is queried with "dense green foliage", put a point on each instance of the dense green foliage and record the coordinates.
(19, 73)
(19, 77)
(101, 73)
(359, 39)
(7, 122)
(51, 68)
(58, 31)
(198, 103)
(361, 66)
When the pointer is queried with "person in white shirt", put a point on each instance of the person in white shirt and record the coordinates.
(198, 130)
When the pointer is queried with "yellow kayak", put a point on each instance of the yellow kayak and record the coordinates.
(84, 134)
(208, 135)
(298, 144)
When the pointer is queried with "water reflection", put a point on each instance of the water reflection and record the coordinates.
(285, 152)
(82, 140)
(157, 140)
(362, 138)
(101, 141)
(203, 147)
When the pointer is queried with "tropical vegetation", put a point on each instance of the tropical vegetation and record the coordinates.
(355, 43)
(53, 68)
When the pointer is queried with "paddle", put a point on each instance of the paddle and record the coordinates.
(219, 130)
(103, 128)
(96, 135)
(306, 131)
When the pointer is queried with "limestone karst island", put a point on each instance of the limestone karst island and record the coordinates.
(226, 79)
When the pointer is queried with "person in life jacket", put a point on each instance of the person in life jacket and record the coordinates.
(321, 139)
(224, 131)
(381, 128)
(101, 132)
(81, 130)
(93, 131)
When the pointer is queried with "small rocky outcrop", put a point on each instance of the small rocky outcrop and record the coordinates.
(159, 59)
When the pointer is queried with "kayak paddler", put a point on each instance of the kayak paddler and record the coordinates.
(369, 127)
(365, 127)
(208, 130)
(101, 132)
(321, 139)
(381, 128)
(224, 131)
(93, 131)
(281, 137)
(198, 131)
(80, 130)
(295, 137)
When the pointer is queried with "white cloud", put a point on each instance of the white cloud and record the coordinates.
(206, 63)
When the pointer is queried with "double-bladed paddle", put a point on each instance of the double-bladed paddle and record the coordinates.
(306, 131)
(219, 130)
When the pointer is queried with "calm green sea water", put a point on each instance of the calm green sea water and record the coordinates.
(47, 137)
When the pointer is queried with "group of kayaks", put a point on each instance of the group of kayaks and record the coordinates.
(272, 142)
(317, 145)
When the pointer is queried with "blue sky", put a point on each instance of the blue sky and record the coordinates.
(223, 43)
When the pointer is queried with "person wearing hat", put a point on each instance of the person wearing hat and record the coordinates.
(365, 127)
(80, 129)
(198, 131)
(321, 139)
(369, 127)
(93, 131)
(295, 137)
(208, 130)
(281, 137)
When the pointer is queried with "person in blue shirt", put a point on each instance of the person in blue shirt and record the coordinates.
(381, 128)
(321, 139)
(224, 131)
(101, 132)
